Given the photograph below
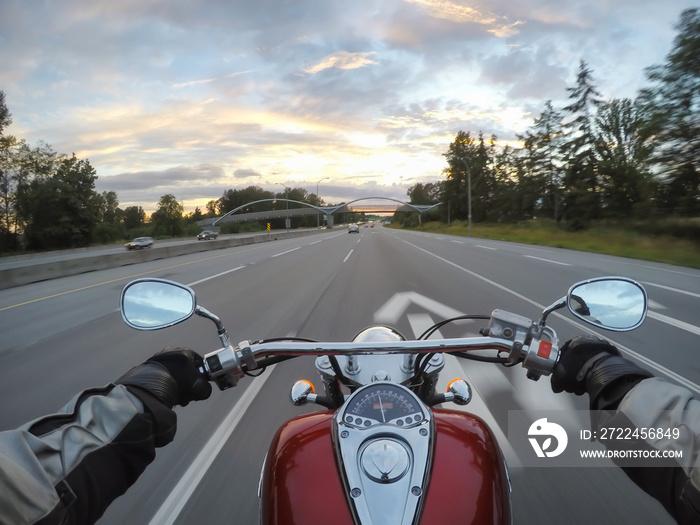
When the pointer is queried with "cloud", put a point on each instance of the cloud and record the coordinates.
(342, 60)
(246, 173)
(196, 96)
(458, 13)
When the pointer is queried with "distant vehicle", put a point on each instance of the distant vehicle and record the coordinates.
(139, 243)
(207, 234)
(353, 228)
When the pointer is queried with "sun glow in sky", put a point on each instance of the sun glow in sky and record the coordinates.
(199, 96)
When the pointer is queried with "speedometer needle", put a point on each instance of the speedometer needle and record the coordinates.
(381, 407)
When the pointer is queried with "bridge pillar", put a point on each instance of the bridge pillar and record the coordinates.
(329, 220)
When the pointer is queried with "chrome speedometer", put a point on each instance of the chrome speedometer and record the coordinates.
(383, 403)
(384, 436)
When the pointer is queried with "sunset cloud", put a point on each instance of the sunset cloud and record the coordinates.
(198, 96)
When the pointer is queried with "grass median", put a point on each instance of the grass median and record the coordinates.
(611, 240)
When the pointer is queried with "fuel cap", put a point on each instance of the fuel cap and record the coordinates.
(385, 460)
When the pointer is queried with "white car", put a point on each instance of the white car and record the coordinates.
(139, 243)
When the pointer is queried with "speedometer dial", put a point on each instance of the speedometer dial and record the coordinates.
(384, 403)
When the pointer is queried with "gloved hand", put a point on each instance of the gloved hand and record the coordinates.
(171, 375)
(589, 364)
(569, 373)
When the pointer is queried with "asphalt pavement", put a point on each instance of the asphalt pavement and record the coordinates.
(64, 335)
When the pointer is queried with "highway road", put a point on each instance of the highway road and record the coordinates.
(64, 335)
(16, 261)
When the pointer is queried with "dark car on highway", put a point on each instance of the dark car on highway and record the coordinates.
(206, 235)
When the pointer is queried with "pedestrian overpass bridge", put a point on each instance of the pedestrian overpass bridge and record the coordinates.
(364, 205)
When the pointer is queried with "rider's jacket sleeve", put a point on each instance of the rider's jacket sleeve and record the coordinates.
(651, 404)
(66, 468)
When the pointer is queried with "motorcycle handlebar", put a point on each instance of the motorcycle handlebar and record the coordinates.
(227, 365)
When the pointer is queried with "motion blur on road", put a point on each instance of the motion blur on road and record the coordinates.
(64, 335)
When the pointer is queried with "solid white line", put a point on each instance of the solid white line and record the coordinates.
(673, 289)
(348, 255)
(174, 503)
(675, 322)
(546, 260)
(660, 368)
(288, 251)
(215, 276)
(650, 267)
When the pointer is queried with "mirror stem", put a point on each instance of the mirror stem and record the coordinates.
(223, 336)
(561, 303)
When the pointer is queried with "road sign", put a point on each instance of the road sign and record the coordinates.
(268, 226)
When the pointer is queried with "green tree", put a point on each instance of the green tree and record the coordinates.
(541, 172)
(8, 148)
(195, 216)
(109, 208)
(672, 118)
(134, 217)
(467, 158)
(211, 208)
(8, 145)
(232, 199)
(61, 210)
(5, 115)
(582, 199)
(30, 164)
(167, 219)
(622, 170)
(512, 199)
(429, 193)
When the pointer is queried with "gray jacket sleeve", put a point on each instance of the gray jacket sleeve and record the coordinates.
(68, 467)
(655, 403)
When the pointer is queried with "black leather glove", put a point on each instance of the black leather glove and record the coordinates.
(589, 364)
(171, 375)
(569, 373)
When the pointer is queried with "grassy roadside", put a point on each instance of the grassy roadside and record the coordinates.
(608, 240)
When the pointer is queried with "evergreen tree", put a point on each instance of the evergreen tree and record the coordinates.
(542, 171)
(582, 198)
(468, 159)
(672, 111)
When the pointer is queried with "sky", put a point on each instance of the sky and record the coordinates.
(356, 98)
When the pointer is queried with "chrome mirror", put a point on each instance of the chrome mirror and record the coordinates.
(152, 304)
(613, 303)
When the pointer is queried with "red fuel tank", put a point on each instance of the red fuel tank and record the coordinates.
(468, 484)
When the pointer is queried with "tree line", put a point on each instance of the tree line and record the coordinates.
(592, 159)
(48, 201)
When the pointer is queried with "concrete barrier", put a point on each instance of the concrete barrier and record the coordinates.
(33, 272)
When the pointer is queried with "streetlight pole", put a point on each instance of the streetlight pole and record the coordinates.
(286, 197)
(469, 196)
(318, 199)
